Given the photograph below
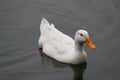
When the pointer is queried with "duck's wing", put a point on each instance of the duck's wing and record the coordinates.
(53, 41)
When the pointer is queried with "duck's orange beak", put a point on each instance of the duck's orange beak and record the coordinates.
(90, 44)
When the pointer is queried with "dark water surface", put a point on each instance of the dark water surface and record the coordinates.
(19, 33)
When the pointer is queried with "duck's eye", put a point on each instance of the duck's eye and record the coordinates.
(81, 34)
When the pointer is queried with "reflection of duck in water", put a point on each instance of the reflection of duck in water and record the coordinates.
(78, 69)
(63, 48)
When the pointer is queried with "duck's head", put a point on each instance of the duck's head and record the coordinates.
(82, 36)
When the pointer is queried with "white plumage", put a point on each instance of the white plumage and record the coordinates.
(61, 47)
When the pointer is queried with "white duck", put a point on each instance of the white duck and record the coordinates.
(61, 47)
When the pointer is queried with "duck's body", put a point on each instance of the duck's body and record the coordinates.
(61, 47)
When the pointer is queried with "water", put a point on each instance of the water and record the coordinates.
(19, 33)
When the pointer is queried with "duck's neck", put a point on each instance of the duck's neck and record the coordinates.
(79, 45)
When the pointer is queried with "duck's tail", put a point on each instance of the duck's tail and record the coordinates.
(45, 25)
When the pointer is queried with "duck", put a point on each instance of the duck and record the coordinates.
(60, 46)
(64, 49)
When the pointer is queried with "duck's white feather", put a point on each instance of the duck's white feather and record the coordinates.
(57, 45)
